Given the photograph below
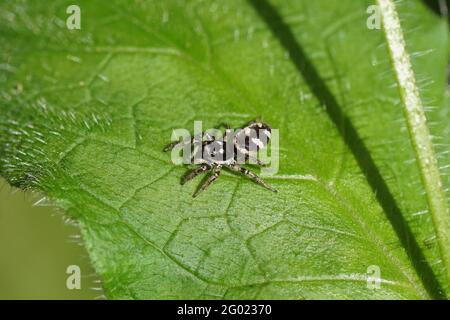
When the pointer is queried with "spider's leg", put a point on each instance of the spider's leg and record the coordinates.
(255, 159)
(170, 146)
(178, 143)
(215, 174)
(195, 172)
(197, 153)
(224, 125)
(186, 142)
(251, 175)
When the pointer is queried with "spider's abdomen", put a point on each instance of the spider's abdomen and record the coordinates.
(253, 137)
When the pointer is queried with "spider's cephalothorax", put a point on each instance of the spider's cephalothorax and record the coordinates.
(233, 149)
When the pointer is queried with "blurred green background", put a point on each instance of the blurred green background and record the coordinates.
(36, 247)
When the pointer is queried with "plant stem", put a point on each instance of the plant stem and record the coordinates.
(418, 130)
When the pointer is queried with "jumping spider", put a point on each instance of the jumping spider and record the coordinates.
(213, 155)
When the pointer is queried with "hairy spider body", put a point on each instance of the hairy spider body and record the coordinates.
(213, 154)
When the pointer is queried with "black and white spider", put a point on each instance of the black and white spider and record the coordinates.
(234, 148)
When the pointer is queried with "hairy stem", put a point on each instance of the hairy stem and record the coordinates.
(418, 130)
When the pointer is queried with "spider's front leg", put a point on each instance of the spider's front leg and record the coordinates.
(195, 172)
(213, 177)
(251, 175)
(172, 145)
(183, 143)
(224, 125)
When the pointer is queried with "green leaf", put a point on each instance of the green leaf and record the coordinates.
(86, 113)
